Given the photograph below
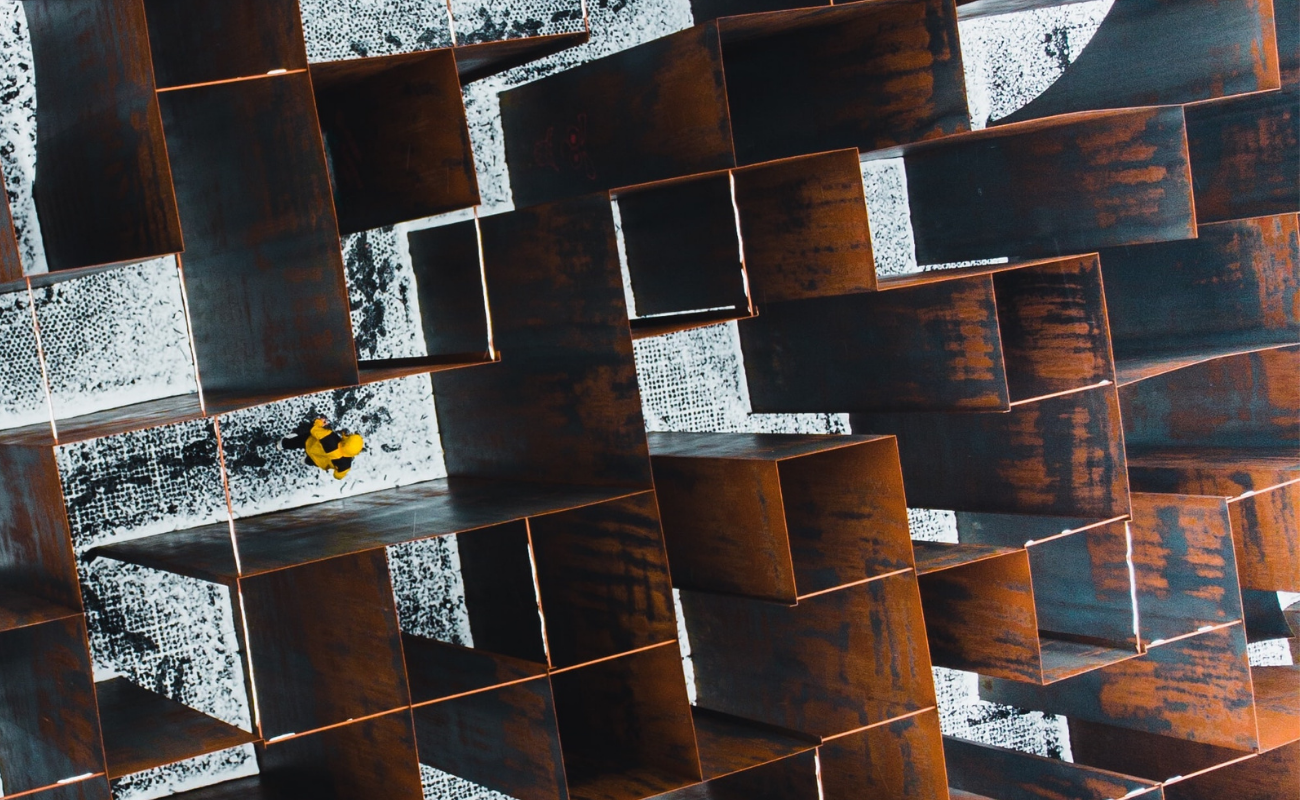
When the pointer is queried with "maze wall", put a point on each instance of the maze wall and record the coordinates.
(761, 402)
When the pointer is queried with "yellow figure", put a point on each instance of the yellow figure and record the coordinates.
(332, 451)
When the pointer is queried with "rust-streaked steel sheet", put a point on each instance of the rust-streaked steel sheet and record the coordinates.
(263, 272)
(47, 705)
(105, 185)
(855, 656)
(899, 760)
(1266, 531)
(1012, 775)
(324, 643)
(1060, 456)
(563, 404)
(625, 726)
(777, 516)
(1184, 564)
(505, 739)
(368, 758)
(396, 137)
(200, 41)
(1224, 47)
(1067, 184)
(1196, 688)
(35, 543)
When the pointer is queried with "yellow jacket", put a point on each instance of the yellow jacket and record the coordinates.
(330, 451)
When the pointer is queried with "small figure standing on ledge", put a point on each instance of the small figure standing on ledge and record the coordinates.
(325, 448)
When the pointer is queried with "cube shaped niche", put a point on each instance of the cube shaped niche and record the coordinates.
(396, 137)
(625, 726)
(683, 252)
(201, 41)
(504, 739)
(780, 517)
(368, 758)
(47, 701)
(454, 318)
(324, 643)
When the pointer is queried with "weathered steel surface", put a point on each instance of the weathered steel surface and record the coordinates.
(854, 657)
(449, 288)
(1184, 565)
(1061, 456)
(396, 137)
(603, 580)
(563, 404)
(900, 760)
(804, 225)
(863, 75)
(143, 729)
(369, 758)
(1271, 774)
(199, 41)
(731, 744)
(1013, 775)
(778, 517)
(47, 705)
(682, 246)
(1237, 401)
(104, 187)
(790, 778)
(655, 111)
(1266, 531)
(11, 266)
(929, 345)
(324, 643)
(35, 543)
(268, 303)
(1196, 688)
(1224, 47)
(96, 788)
(437, 670)
(496, 569)
(1082, 588)
(1142, 754)
(1236, 287)
(625, 726)
(505, 739)
(1245, 155)
(1224, 471)
(482, 59)
(1049, 187)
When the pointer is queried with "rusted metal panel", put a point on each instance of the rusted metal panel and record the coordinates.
(1272, 774)
(35, 543)
(47, 705)
(1197, 688)
(1012, 775)
(143, 729)
(1060, 456)
(450, 291)
(563, 404)
(482, 59)
(438, 670)
(682, 245)
(980, 617)
(932, 346)
(1052, 325)
(1067, 184)
(1184, 565)
(864, 75)
(1225, 471)
(778, 517)
(1082, 588)
(496, 569)
(1277, 704)
(936, 556)
(1224, 47)
(731, 744)
(1266, 531)
(1142, 754)
(900, 760)
(199, 41)
(1247, 400)
(91, 789)
(1245, 155)
(602, 575)
(790, 778)
(703, 10)
(505, 739)
(324, 643)
(1235, 287)
(396, 138)
(370, 758)
(11, 265)
(625, 726)
(1263, 615)
(854, 657)
(268, 303)
(803, 222)
(655, 111)
(104, 186)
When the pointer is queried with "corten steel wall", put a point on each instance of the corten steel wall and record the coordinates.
(1112, 415)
